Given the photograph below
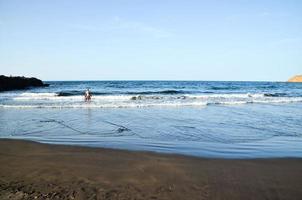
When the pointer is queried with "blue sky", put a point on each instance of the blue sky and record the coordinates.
(151, 39)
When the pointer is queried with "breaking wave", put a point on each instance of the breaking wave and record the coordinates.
(164, 92)
(166, 98)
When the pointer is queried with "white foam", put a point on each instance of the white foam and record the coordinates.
(226, 96)
(231, 102)
(141, 104)
(279, 100)
(54, 97)
(210, 97)
(32, 94)
(52, 100)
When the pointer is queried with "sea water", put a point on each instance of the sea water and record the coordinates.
(200, 118)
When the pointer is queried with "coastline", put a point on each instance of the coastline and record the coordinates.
(8, 83)
(31, 170)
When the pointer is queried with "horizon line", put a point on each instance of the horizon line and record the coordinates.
(168, 80)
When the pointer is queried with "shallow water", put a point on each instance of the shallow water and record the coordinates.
(127, 94)
(267, 122)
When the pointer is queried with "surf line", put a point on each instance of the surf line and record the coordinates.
(116, 132)
(63, 124)
(120, 129)
(123, 128)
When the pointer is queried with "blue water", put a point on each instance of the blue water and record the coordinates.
(208, 119)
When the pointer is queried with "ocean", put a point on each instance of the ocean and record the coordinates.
(198, 118)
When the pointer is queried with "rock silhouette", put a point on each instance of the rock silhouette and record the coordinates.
(19, 83)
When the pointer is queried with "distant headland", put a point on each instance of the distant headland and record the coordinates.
(19, 82)
(296, 79)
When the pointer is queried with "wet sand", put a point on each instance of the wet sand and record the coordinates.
(30, 170)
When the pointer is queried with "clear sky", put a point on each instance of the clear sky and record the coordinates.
(151, 39)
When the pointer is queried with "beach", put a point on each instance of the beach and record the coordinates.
(150, 100)
(30, 170)
(152, 140)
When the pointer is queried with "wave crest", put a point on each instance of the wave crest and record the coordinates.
(53, 100)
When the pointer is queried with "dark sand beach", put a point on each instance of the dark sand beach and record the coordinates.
(30, 170)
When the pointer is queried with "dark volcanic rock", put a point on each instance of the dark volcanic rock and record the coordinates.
(18, 83)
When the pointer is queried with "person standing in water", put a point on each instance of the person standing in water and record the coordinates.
(87, 95)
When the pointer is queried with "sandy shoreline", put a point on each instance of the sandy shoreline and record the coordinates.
(31, 170)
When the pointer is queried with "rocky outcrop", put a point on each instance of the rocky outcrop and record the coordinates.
(19, 83)
(296, 79)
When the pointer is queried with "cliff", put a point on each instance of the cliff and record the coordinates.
(297, 78)
(18, 83)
